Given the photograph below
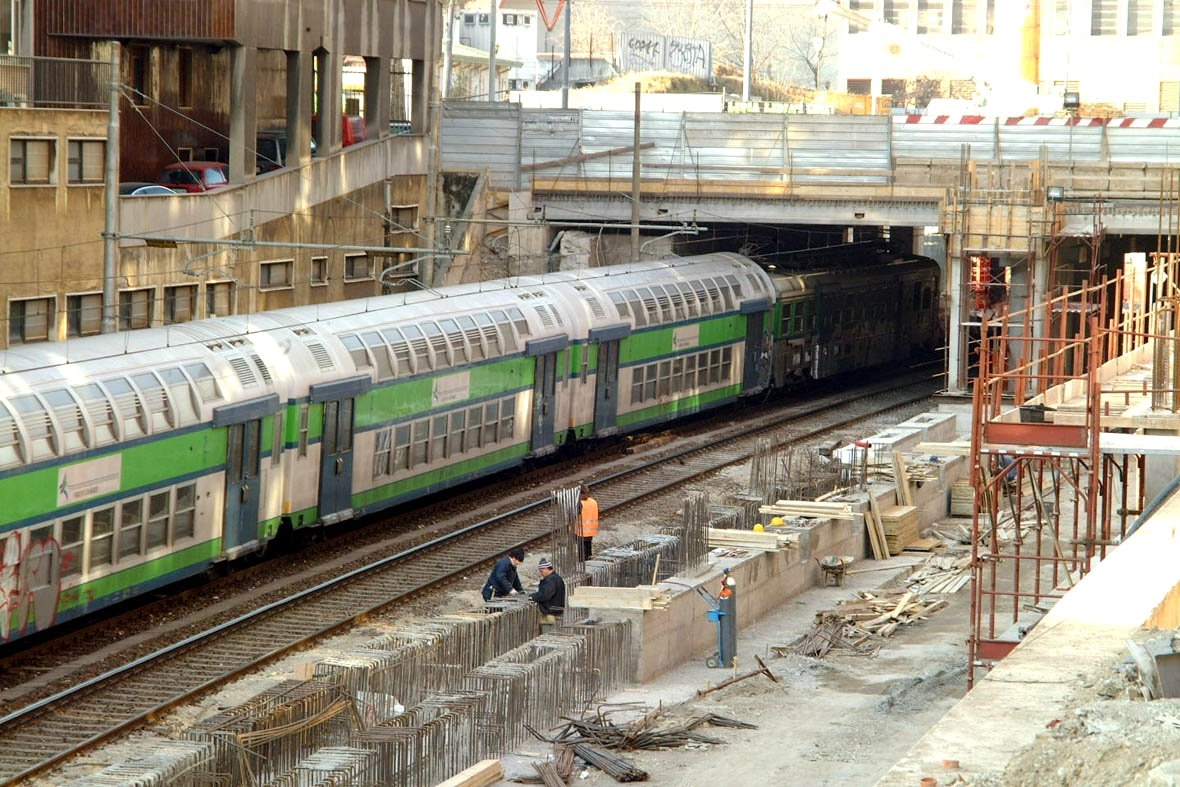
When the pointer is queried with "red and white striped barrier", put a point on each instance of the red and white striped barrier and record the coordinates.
(975, 120)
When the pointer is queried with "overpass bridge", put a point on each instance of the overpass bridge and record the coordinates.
(1012, 207)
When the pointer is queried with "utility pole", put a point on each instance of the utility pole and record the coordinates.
(492, 53)
(565, 59)
(110, 231)
(635, 183)
(748, 56)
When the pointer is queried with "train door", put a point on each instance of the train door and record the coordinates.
(606, 378)
(336, 446)
(544, 392)
(243, 461)
(757, 360)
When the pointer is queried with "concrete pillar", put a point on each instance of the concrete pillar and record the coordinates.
(243, 115)
(299, 95)
(377, 86)
(330, 99)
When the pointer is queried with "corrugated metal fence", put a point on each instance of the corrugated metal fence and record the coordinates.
(515, 145)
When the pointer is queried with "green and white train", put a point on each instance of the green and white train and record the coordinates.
(130, 461)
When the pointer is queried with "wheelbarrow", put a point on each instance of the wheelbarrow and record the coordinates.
(834, 568)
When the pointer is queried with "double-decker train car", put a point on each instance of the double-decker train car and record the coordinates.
(133, 460)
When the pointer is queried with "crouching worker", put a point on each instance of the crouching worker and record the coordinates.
(550, 596)
(504, 580)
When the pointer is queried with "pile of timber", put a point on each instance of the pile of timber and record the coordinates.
(900, 524)
(940, 574)
(749, 540)
(650, 732)
(641, 597)
(809, 509)
(962, 499)
(859, 623)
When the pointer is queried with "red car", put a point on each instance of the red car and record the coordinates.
(195, 176)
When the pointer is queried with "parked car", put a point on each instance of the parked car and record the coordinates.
(136, 188)
(271, 150)
(195, 176)
(352, 130)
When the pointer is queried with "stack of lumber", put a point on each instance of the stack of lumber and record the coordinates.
(962, 499)
(748, 539)
(940, 574)
(830, 631)
(901, 527)
(641, 597)
(806, 508)
(482, 774)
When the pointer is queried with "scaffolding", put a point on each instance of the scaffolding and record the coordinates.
(1049, 503)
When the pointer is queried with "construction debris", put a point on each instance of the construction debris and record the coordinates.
(940, 574)
(762, 670)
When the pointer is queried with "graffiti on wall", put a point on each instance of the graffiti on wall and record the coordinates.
(642, 52)
(30, 583)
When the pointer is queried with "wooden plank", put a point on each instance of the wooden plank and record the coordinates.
(483, 774)
(901, 481)
(878, 546)
(925, 544)
(876, 515)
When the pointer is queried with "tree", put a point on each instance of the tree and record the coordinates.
(810, 45)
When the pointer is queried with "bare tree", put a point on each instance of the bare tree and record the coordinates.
(809, 47)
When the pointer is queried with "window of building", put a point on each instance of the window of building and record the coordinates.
(930, 15)
(180, 303)
(866, 8)
(860, 87)
(1104, 17)
(469, 19)
(32, 161)
(136, 308)
(893, 87)
(1139, 13)
(1171, 19)
(184, 154)
(30, 320)
(319, 271)
(964, 17)
(484, 19)
(509, 19)
(85, 160)
(137, 73)
(897, 12)
(276, 275)
(357, 267)
(84, 314)
(219, 299)
(184, 77)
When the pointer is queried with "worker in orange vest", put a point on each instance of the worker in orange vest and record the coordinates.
(587, 527)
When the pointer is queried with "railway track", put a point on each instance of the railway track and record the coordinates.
(35, 738)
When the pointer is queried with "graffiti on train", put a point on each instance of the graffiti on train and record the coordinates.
(30, 581)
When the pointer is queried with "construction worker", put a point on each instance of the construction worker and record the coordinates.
(587, 525)
(549, 595)
(504, 580)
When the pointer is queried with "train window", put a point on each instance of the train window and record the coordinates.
(72, 534)
(418, 347)
(276, 445)
(712, 295)
(490, 337)
(664, 386)
(400, 348)
(676, 300)
(379, 353)
(690, 372)
(676, 381)
(691, 306)
(185, 516)
(650, 381)
(726, 364)
(438, 438)
(438, 343)
(734, 290)
(131, 528)
(304, 426)
(455, 433)
(638, 312)
(474, 338)
(102, 414)
(504, 325)
(356, 349)
(155, 403)
(649, 306)
(491, 422)
(69, 419)
(130, 415)
(382, 453)
(421, 437)
(471, 439)
(457, 341)
(102, 538)
(522, 325)
(181, 396)
(157, 523)
(620, 304)
(508, 418)
(39, 431)
(401, 447)
(205, 381)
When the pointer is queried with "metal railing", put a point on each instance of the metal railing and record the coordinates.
(41, 82)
